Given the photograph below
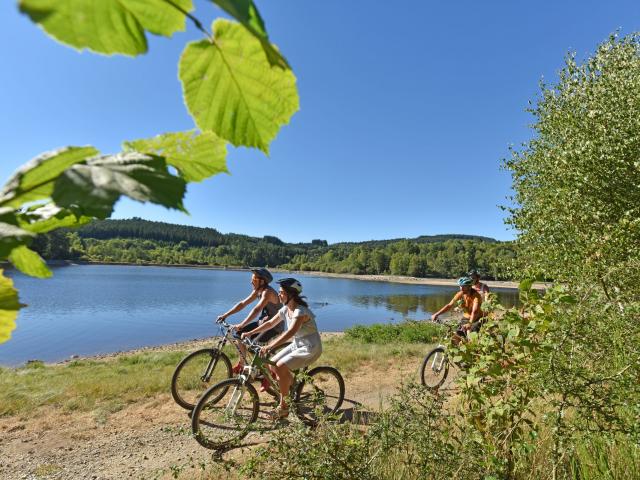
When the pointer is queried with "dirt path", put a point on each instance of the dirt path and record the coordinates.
(149, 439)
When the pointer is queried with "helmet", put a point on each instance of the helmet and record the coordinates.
(263, 273)
(291, 283)
(465, 281)
(473, 272)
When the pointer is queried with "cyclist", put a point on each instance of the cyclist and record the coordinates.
(267, 306)
(471, 308)
(480, 287)
(306, 346)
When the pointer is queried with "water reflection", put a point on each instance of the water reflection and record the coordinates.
(416, 306)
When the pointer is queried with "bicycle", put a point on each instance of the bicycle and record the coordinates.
(435, 366)
(227, 410)
(200, 369)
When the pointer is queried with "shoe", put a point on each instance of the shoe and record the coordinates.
(237, 370)
(278, 414)
(264, 385)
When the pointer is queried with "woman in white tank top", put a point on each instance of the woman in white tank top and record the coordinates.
(301, 330)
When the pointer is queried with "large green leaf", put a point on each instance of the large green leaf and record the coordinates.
(34, 180)
(107, 26)
(196, 156)
(44, 218)
(12, 237)
(9, 306)
(29, 262)
(92, 188)
(231, 88)
(248, 15)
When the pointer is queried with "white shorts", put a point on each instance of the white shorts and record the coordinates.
(296, 357)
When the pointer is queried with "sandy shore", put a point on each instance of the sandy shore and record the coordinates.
(350, 276)
(412, 280)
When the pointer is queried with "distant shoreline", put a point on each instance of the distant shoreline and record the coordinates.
(449, 282)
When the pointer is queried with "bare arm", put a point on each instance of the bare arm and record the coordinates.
(254, 311)
(288, 335)
(239, 306)
(269, 324)
(447, 307)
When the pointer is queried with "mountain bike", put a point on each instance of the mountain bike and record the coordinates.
(200, 369)
(226, 412)
(435, 366)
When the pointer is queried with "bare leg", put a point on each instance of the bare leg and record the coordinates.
(285, 379)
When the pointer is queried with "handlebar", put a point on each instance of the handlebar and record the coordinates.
(251, 345)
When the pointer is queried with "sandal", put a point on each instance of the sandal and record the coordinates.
(278, 414)
(264, 386)
(237, 369)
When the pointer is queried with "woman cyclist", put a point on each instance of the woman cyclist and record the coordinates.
(471, 308)
(305, 347)
(480, 287)
(267, 306)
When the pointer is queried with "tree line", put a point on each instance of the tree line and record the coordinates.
(142, 241)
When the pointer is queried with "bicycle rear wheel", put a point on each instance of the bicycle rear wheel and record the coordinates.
(196, 372)
(320, 393)
(224, 422)
(435, 368)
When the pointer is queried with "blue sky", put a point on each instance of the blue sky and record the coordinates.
(407, 109)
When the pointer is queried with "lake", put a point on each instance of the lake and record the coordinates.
(93, 309)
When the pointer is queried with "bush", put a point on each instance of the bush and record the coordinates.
(405, 332)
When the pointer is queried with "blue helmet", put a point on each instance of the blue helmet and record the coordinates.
(291, 283)
(465, 281)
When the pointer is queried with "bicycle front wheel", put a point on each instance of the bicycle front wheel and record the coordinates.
(435, 368)
(224, 422)
(196, 372)
(320, 393)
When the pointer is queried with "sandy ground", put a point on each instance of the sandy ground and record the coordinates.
(149, 439)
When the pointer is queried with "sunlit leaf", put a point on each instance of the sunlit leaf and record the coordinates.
(29, 262)
(196, 156)
(9, 306)
(44, 218)
(34, 180)
(11, 237)
(107, 26)
(246, 12)
(230, 87)
(93, 188)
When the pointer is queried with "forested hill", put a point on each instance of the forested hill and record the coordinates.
(142, 241)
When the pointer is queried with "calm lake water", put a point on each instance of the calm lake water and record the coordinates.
(92, 309)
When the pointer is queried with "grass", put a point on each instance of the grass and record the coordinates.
(405, 332)
(105, 386)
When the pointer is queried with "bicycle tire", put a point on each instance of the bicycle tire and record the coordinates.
(187, 382)
(312, 393)
(224, 422)
(435, 368)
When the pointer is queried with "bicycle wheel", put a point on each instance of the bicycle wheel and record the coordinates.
(224, 413)
(319, 393)
(196, 372)
(435, 368)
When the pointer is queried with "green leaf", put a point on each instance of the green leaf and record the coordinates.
(34, 180)
(29, 262)
(44, 218)
(107, 26)
(196, 156)
(93, 188)
(9, 306)
(11, 237)
(248, 15)
(230, 87)
(526, 284)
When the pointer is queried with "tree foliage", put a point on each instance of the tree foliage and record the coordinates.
(236, 84)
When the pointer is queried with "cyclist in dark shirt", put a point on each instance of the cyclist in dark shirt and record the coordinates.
(267, 306)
